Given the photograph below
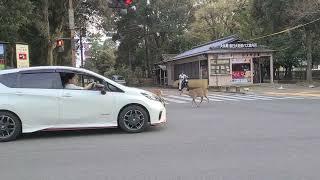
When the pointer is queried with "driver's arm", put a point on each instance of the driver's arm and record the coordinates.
(90, 86)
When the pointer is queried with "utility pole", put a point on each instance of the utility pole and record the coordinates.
(146, 39)
(81, 50)
(72, 33)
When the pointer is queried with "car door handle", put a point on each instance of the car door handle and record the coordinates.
(67, 95)
(19, 93)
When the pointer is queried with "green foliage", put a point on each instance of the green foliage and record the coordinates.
(162, 27)
(14, 14)
(145, 35)
(301, 44)
(102, 56)
(130, 77)
(216, 19)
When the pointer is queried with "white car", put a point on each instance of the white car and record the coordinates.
(34, 99)
(119, 79)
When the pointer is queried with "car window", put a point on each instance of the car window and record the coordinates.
(40, 80)
(87, 79)
(9, 80)
(112, 88)
(78, 81)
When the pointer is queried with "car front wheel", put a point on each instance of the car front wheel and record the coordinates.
(134, 119)
(10, 126)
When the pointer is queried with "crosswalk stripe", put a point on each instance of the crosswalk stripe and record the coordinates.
(211, 99)
(182, 99)
(236, 97)
(266, 97)
(222, 98)
(271, 97)
(254, 97)
(186, 98)
(287, 97)
(175, 100)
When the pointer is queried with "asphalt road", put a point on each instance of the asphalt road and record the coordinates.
(253, 140)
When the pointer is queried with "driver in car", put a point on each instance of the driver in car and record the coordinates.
(70, 81)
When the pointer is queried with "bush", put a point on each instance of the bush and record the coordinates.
(130, 77)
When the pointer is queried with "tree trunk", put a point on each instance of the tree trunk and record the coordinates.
(277, 73)
(147, 55)
(50, 56)
(130, 58)
(286, 73)
(45, 11)
(308, 49)
(290, 73)
(12, 54)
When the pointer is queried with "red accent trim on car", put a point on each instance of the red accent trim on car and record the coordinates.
(77, 128)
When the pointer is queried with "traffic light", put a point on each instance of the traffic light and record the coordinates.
(122, 6)
(128, 2)
(60, 42)
(60, 45)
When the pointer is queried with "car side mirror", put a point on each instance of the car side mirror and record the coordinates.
(103, 92)
(102, 88)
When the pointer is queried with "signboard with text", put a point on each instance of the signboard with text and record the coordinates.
(241, 70)
(235, 46)
(22, 54)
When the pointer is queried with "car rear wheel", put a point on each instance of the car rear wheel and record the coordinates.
(10, 126)
(134, 119)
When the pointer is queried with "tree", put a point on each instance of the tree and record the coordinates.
(274, 15)
(14, 15)
(102, 56)
(217, 18)
(150, 31)
(305, 11)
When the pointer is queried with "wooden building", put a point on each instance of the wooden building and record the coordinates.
(223, 62)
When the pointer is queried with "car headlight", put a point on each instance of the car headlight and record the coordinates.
(150, 96)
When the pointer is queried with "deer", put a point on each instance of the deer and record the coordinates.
(159, 93)
(198, 92)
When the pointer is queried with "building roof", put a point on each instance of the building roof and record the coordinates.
(165, 58)
(168, 57)
(216, 47)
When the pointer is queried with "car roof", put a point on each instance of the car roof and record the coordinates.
(41, 68)
(8, 71)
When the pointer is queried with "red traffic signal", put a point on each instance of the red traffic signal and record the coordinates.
(60, 43)
(128, 2)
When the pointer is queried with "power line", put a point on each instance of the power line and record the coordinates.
(286, 30)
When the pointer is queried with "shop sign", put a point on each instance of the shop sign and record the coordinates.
(241, 81)
(22, 53)
(241, 71)
(235, 46)
(240, 61)
(241, 76)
